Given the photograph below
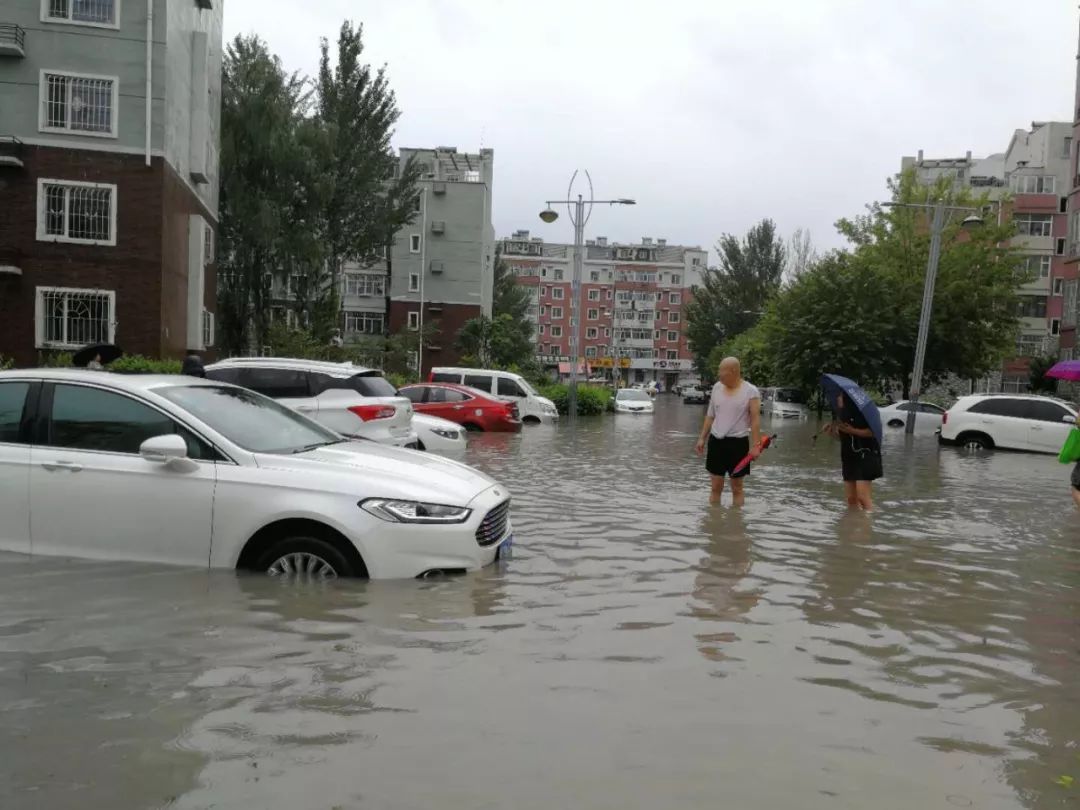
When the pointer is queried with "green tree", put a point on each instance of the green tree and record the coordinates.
(974, 320)
(732, 296)
(1037, 370)
(366, 195)
(752, 349)
(505, 340)
(510, 298)
(262, 163)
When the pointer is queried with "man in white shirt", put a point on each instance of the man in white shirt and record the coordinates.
(732, 428)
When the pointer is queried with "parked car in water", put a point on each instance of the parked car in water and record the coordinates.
(929, 415)
(351, 400)
(472, 409)
(1008, 421)
(437, 434)
(695, 395)
(632, 400)
(784, 403)
(502, 385)
(170, 469)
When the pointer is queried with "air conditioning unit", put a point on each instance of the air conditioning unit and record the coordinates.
(438, 226)
(438, 188)
(437, 266)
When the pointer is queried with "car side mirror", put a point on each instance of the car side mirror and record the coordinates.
(164, 449)
(1068, 419)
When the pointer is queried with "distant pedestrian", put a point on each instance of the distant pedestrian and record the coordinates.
(732, 428)
(95, 364)
(193, 366)
(860, 453)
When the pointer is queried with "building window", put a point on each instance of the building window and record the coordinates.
(1059, 286)
(414, 243)
(72, 102)
(208, 244)
(1036, 267)
(556, 331)
(676, 278)
(414, 321)
(1055, 326)
(208, 331)
(696, 261)
(82, 12)
(593, 315)
(673, 337)
(673, 317)
(659, 314)
(1032, 184)
(1034, 224)
(366, 323)
(557, 273)
(594, 275)
(419, 205)
(84, 213)
(70, 319)
(364, 285)
(557, 293)
(544, 292)
(1032, 306)
(674, 298)
(609, 295)
(656, 335)
(592, 333)
(543, 329)
(590, 351)
(594, 295)
(556, 313)
(414, 282)
(543, 310)
(607, 332)
(672, 354)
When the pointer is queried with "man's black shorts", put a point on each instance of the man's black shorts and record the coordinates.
(724, 454)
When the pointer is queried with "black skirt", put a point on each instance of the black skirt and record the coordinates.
(860, 459)
(724, 454)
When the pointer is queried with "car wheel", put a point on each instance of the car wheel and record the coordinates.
(975, 441)
(896, 423)
(420, 445)
(531, 420)
(304, 557)
(473, 428)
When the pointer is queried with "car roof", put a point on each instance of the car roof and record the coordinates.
(458, 370)
(1004, 395)
(324, 366)
(125, 382)
(468, 389)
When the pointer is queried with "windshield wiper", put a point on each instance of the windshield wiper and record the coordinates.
(316, 446)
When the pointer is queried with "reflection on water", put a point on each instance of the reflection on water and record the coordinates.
(640, 650)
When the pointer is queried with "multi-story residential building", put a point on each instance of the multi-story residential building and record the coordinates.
(1070, 312)
(1032, 177)
(109, 116)
(633, 298)
(439, 270)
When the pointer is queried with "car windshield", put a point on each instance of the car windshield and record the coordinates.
(528, 389)
(633, 395)
(249, 420)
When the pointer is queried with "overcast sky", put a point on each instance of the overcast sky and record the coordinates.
(711, 113)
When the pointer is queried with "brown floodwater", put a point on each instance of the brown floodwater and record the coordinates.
(639, 650)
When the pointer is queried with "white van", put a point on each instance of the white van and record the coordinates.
(502, 384)
(784, 403)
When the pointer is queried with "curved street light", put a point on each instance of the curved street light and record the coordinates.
(578, 216)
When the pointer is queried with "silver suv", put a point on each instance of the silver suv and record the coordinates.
(351, 400)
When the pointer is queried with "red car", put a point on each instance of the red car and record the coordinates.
(469, 407)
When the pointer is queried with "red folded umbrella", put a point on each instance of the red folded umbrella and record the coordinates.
(762, 446)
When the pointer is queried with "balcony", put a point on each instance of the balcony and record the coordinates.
(11, 151)
(12, 40)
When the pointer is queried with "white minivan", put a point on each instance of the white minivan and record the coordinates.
(504, 385)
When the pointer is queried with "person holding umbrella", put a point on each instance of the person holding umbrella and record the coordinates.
(857, 424)
(1069, 370)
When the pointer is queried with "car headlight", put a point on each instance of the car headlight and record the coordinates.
(446, 433)
(414, 511)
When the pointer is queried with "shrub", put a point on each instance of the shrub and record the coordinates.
(56, 360)
(6, 362)
(591, 399)
(399, 380)
(137, 364)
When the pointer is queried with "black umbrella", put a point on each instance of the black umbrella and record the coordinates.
(105, 352)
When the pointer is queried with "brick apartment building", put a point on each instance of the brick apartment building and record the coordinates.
(1071, 291)
(632, 307)
(1034, 174)
(109, 120)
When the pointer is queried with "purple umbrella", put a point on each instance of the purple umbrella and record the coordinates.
(1065, 370)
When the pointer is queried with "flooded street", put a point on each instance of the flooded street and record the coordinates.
(639, 650)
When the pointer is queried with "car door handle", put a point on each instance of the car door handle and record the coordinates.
(305, 408)
(459, 407)
(70, 466)
(1036, 427)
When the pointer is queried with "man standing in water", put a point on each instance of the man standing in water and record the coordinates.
(732, 428)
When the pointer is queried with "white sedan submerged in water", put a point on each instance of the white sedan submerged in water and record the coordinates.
(191, 472)
(632, 400)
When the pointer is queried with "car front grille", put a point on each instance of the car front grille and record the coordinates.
(493, 527)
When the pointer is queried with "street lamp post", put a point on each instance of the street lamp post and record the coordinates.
(937, 225)
(579, 216)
